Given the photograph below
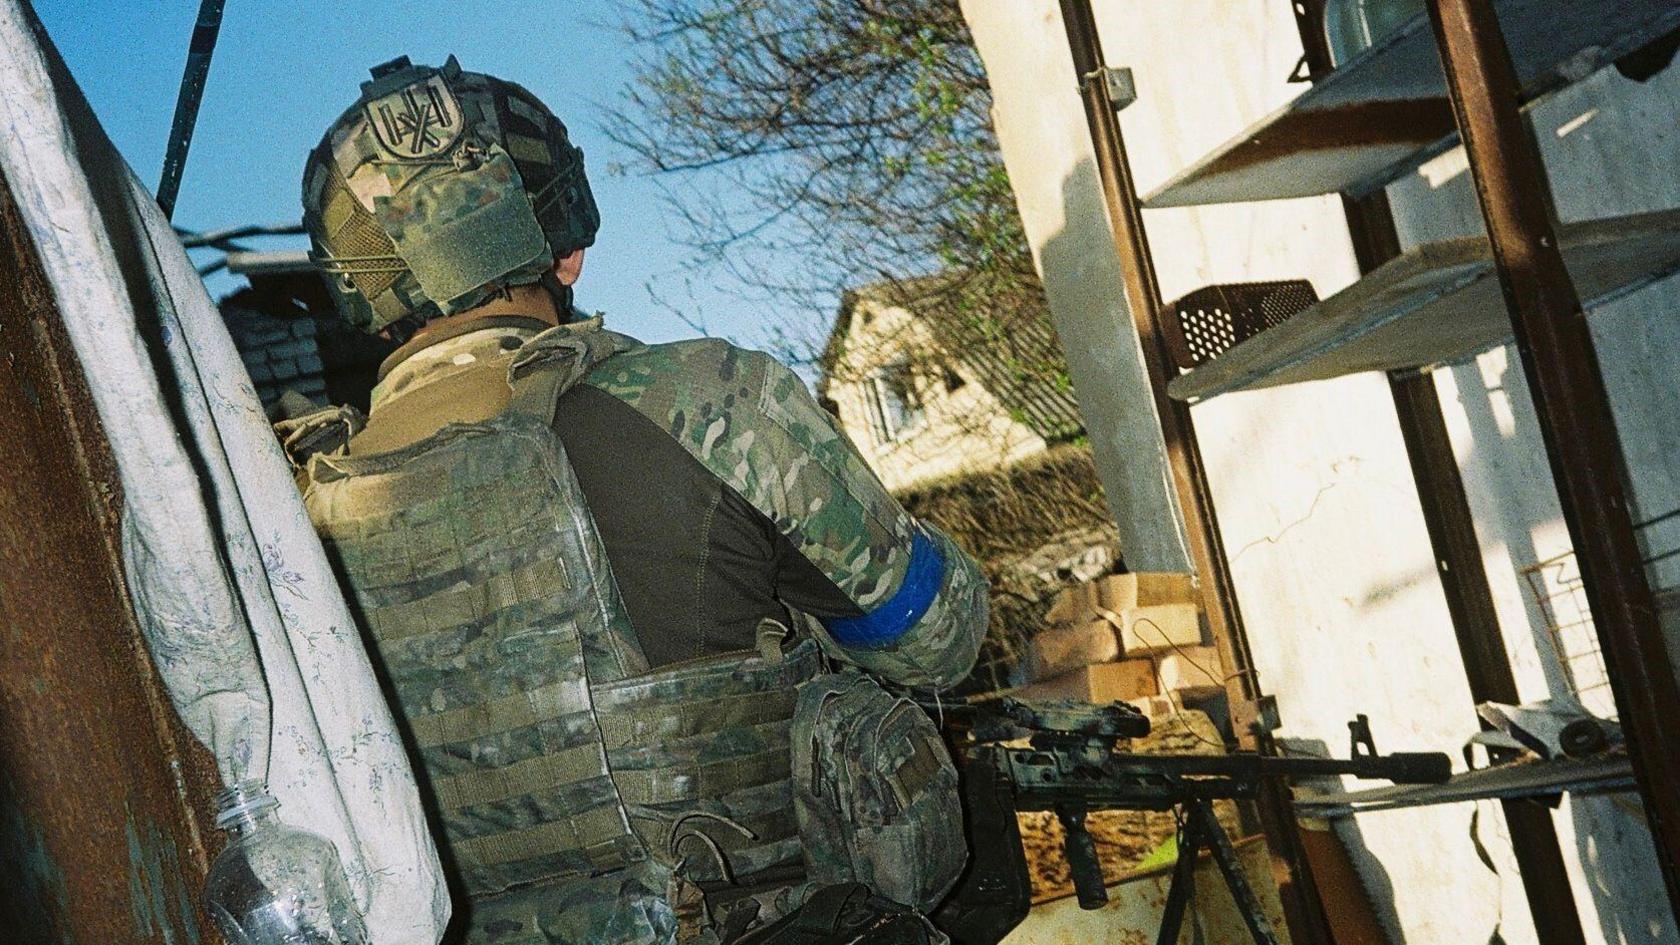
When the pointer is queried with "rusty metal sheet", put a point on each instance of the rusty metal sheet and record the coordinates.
(97, 781)
(1383, 111)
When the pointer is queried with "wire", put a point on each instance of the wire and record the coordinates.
(1161, 683)
(192, 239)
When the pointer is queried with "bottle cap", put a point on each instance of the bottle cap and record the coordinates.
(242, 800)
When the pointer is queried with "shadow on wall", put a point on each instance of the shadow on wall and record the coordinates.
(1069, 252)
(33, 881)
(1612, 841)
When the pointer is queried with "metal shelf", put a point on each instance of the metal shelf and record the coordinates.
(1438, 303)
(1386, 110)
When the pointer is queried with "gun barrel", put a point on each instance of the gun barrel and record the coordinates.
(1411, 767)
(1400, 768)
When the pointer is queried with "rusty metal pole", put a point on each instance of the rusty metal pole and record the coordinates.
(1458, 553)
(1303, 911)
(1570, 402)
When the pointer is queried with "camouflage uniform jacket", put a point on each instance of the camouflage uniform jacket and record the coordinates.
(889, 595)
(750, 427)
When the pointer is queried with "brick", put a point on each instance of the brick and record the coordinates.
(283, 370)
(1194, 671)
(309, 363)
(1160, 628)
(1058, 650)
(1127, 680)
(255, 334)
(260, 372)
(1147, 612)
(1117, 592)
(303, 328)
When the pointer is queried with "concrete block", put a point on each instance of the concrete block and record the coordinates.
(1146, 612)
(1117, 592)
(252, 334)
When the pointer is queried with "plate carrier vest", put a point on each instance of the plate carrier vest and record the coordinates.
(548, 749)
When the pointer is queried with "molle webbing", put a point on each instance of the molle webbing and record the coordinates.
(700, 754)
(480, 577)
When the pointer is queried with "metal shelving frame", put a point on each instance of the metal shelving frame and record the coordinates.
(1549, 327)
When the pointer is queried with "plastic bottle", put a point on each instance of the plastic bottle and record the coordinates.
(1353, 26)
(275, 884)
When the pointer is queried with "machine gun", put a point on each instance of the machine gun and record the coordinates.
(1070, 767)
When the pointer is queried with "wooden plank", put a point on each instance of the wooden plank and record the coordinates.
(1436, 304)
(1383, 111)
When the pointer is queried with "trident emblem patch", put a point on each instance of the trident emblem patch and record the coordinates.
(416, 121)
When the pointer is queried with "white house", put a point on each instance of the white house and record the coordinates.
(930, 382)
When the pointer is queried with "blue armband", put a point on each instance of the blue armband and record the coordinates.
(894, 617)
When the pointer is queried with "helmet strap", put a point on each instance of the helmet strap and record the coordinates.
(560, 293)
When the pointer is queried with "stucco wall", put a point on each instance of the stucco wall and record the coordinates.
(963, 430)
(1316, 503)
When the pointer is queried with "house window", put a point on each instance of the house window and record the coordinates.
(895, 409)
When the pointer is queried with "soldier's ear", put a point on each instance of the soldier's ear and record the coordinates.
(567, 268)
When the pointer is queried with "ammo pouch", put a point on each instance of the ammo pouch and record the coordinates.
(699, 754)
(875, 792)
(848, 914)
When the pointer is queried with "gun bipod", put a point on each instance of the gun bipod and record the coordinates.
(1199, 827)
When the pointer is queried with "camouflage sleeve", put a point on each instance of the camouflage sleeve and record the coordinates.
(752, 423)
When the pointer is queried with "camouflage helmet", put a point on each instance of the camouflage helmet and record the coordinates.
(437, 188)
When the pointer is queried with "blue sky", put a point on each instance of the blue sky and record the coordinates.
(284, 69)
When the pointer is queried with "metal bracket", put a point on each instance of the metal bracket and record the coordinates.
(1122, 90)
(1258, 717)
(1117, 80)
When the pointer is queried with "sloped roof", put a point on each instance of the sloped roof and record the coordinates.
(1001, 333)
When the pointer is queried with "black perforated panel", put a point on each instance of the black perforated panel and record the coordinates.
(1210, 321)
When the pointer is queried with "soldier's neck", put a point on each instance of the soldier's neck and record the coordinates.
(531, 301)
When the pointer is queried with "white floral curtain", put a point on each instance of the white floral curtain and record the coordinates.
(235, 597)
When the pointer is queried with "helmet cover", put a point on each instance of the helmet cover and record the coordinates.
(436, 189)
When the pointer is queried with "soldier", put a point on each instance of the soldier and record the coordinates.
(629, 602)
